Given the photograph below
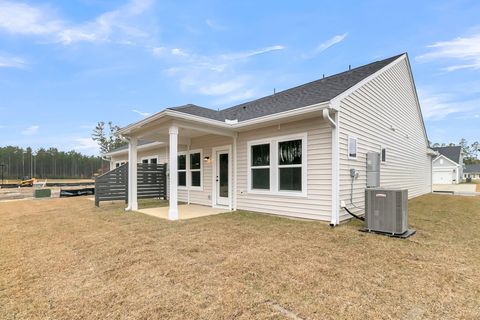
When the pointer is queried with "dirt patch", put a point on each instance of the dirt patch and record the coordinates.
(66, 259)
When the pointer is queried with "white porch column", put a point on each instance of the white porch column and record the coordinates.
(173, 179)
(132, 174)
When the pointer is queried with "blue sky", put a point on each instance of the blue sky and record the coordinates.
(65, 65)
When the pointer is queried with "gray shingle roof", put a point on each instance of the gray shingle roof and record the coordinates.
(452, 153)
(314, 92)
(471, 168)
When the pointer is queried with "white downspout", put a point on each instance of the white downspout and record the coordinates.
(335, 220)
(234, 195)
(132, 175)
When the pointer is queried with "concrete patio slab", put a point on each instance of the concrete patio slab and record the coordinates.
(464, 187)
(185, 211)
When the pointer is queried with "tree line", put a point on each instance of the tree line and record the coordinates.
(470, 151)
(47, 163)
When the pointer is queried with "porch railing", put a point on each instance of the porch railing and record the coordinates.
(151, 183)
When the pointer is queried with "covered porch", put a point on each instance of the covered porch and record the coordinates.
(201, 166)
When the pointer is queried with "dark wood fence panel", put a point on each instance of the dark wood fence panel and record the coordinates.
(113, 185)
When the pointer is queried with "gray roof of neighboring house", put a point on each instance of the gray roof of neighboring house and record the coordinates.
(125, 147)
(314, 92)
(471, 168)
(452, 153)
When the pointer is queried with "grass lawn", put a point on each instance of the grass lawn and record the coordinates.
(64, 258)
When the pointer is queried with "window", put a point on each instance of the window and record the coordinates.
(150, 159)
(352, 148)
(290, 165)
(190, 169)
(260, 166)
(277, 166)
(441, 161)
(383, 154)
(195, 169)
(119, 163)
(182, 170)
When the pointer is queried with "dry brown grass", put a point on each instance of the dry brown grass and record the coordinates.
(64, 258)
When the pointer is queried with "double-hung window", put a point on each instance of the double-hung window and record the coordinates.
(260, 166)
(290, 165)
(195, 169)
(278, 165)
(190, 169)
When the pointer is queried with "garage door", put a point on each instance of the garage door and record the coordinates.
(442, 177)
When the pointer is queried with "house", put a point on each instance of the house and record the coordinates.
(291, 153)
(472, 171)
(447, 167)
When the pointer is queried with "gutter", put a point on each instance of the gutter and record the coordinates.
(228, 123)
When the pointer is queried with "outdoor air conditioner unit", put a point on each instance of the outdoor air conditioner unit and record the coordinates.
(386, 210)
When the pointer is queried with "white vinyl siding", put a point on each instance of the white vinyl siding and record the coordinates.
(317, 202)
(384, 113)
(204, 143)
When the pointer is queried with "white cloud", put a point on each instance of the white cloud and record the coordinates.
(17, 17)
(143, 114)
(118, 25)
(325, 45)
(224, 87)
(30, 130)
(86, 146)
(437, 106)
(215, 75)
(462, 52)
(214, 25)
(12, 62)
(179, 52)
(247, 54)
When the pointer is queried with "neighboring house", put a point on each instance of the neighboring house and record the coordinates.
(472, 171)
(448, 165)
(291, 153)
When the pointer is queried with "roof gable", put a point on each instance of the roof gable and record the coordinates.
(453, 153)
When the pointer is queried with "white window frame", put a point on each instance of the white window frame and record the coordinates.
(275, 167)
(189, 171)
(149, 158)
(350, 138)
(119, 163)
(250, 167)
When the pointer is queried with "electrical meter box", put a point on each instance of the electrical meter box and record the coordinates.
(373, 169)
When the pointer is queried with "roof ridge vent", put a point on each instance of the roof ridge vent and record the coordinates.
(228, 121)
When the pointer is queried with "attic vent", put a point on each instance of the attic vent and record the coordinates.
(228, 121)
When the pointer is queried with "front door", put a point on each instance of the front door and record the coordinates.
(222, 178)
